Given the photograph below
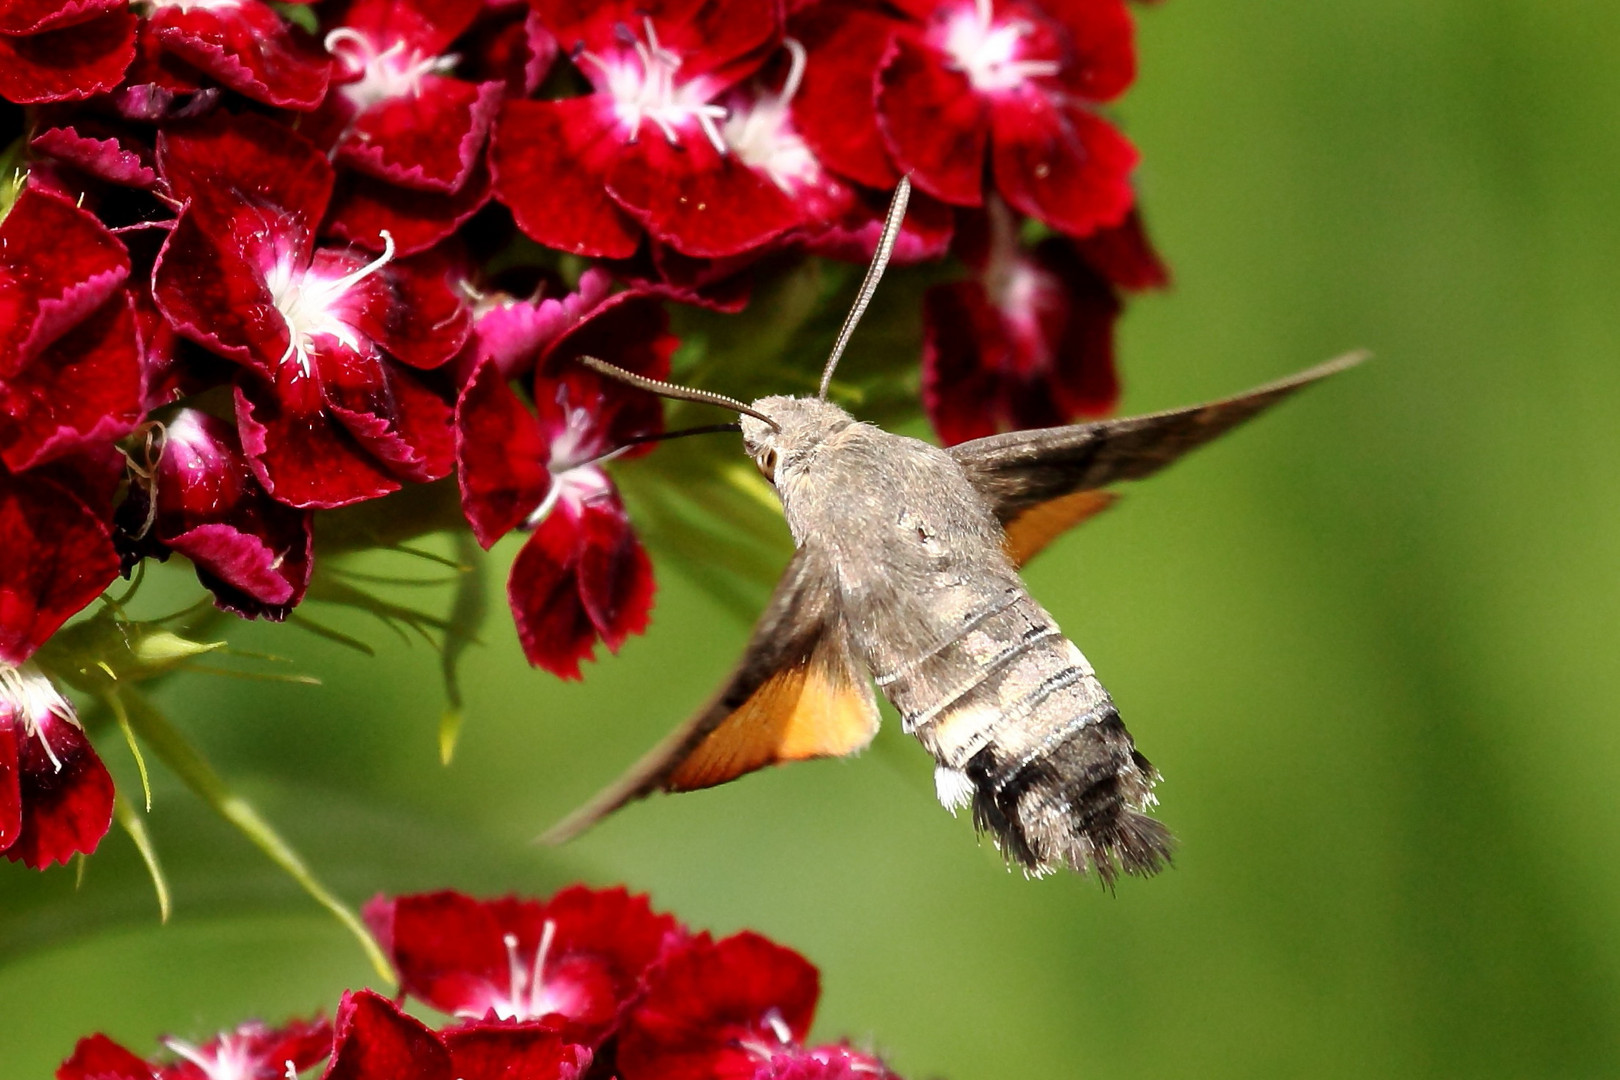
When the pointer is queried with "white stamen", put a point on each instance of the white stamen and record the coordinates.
(651, 93)
(537, 976)
(30, 697)
(778, 1026)
(514, 971)
(987, 53)
(309, 305)
(385, 75)
(763, 135)
(231, 1061)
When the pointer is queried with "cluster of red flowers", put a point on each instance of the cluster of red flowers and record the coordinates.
(258, 261)
(590, 984)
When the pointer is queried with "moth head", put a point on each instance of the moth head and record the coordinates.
(796, 427)
(779, 431)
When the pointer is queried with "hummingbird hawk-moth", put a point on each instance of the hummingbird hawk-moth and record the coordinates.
(906, 576)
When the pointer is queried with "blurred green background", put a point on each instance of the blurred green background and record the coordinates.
(1373, 642)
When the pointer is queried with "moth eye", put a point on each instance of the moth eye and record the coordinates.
(767, 464)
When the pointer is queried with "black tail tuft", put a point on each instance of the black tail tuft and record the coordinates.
(1080, 804)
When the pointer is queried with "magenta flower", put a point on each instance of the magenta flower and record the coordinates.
(56, 797)
(246, 46)
(1028, 341)
(201, 499)
(719, 1009)
(251, 1052)
(580, 958)
(1019, 80)
(582, 576)
(329, 409)
(55, 51)
(645, 150)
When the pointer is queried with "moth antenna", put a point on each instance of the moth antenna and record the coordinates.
(661, 436)
(880, 259)
(670, 390)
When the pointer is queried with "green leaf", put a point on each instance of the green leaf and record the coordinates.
(467, 613)
(193, 769)
(130, 819)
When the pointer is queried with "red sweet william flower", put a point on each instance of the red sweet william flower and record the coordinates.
(1028, 341)
(200, 498)
(329, 411)
(251, 1052)
(398, 113)
(645, 149)
(582, 956)
(375, 1041)
(514, 1052)
(246, 46)
(56, 797)
(54, 51)
(1020, 79)
(58, 550)
(718, 1010)
(69, 361)
(582, 576)
(835, 1062)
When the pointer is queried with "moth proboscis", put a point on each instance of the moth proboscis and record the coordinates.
(906, 575)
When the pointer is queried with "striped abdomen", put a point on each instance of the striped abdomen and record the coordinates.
(1023, 730)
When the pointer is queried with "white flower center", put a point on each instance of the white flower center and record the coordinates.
(315, 306)
(764, 137)
(231, 1060)
(988, 52)
(642, 82)
(575, 476)
(759, 1047)
(31, 698)
(527, 996)
(390, 73)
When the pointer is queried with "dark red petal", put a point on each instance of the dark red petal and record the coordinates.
(228, 159)
(67, 64)
(58, 263)
(59, 556)
(925, 234)
(301, 455)
(422, 320)
(67, 804)
(98, 151)
(723, 39)
(1125, 256)
(390, 412)
(514, 1052)
(607, 940)
(552, 624)
(86, 388)
(429, 140)
(32, 16)
(211, 294)
(446, 946)
(628, 329)
(250, 49)
(501, 456)
(835, 109)
(375, 1041)
(363, 206)
(550, 161)
(1061, 164)
(428, 26)
(708, 996)
(97, 1057)
(1078, 337)
(247, 575)
(512, 47)
(963, 348)
(10, 781)
(512, 332)
(933, 122)
(615, 574)
(1102, 61)
(697, 200)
